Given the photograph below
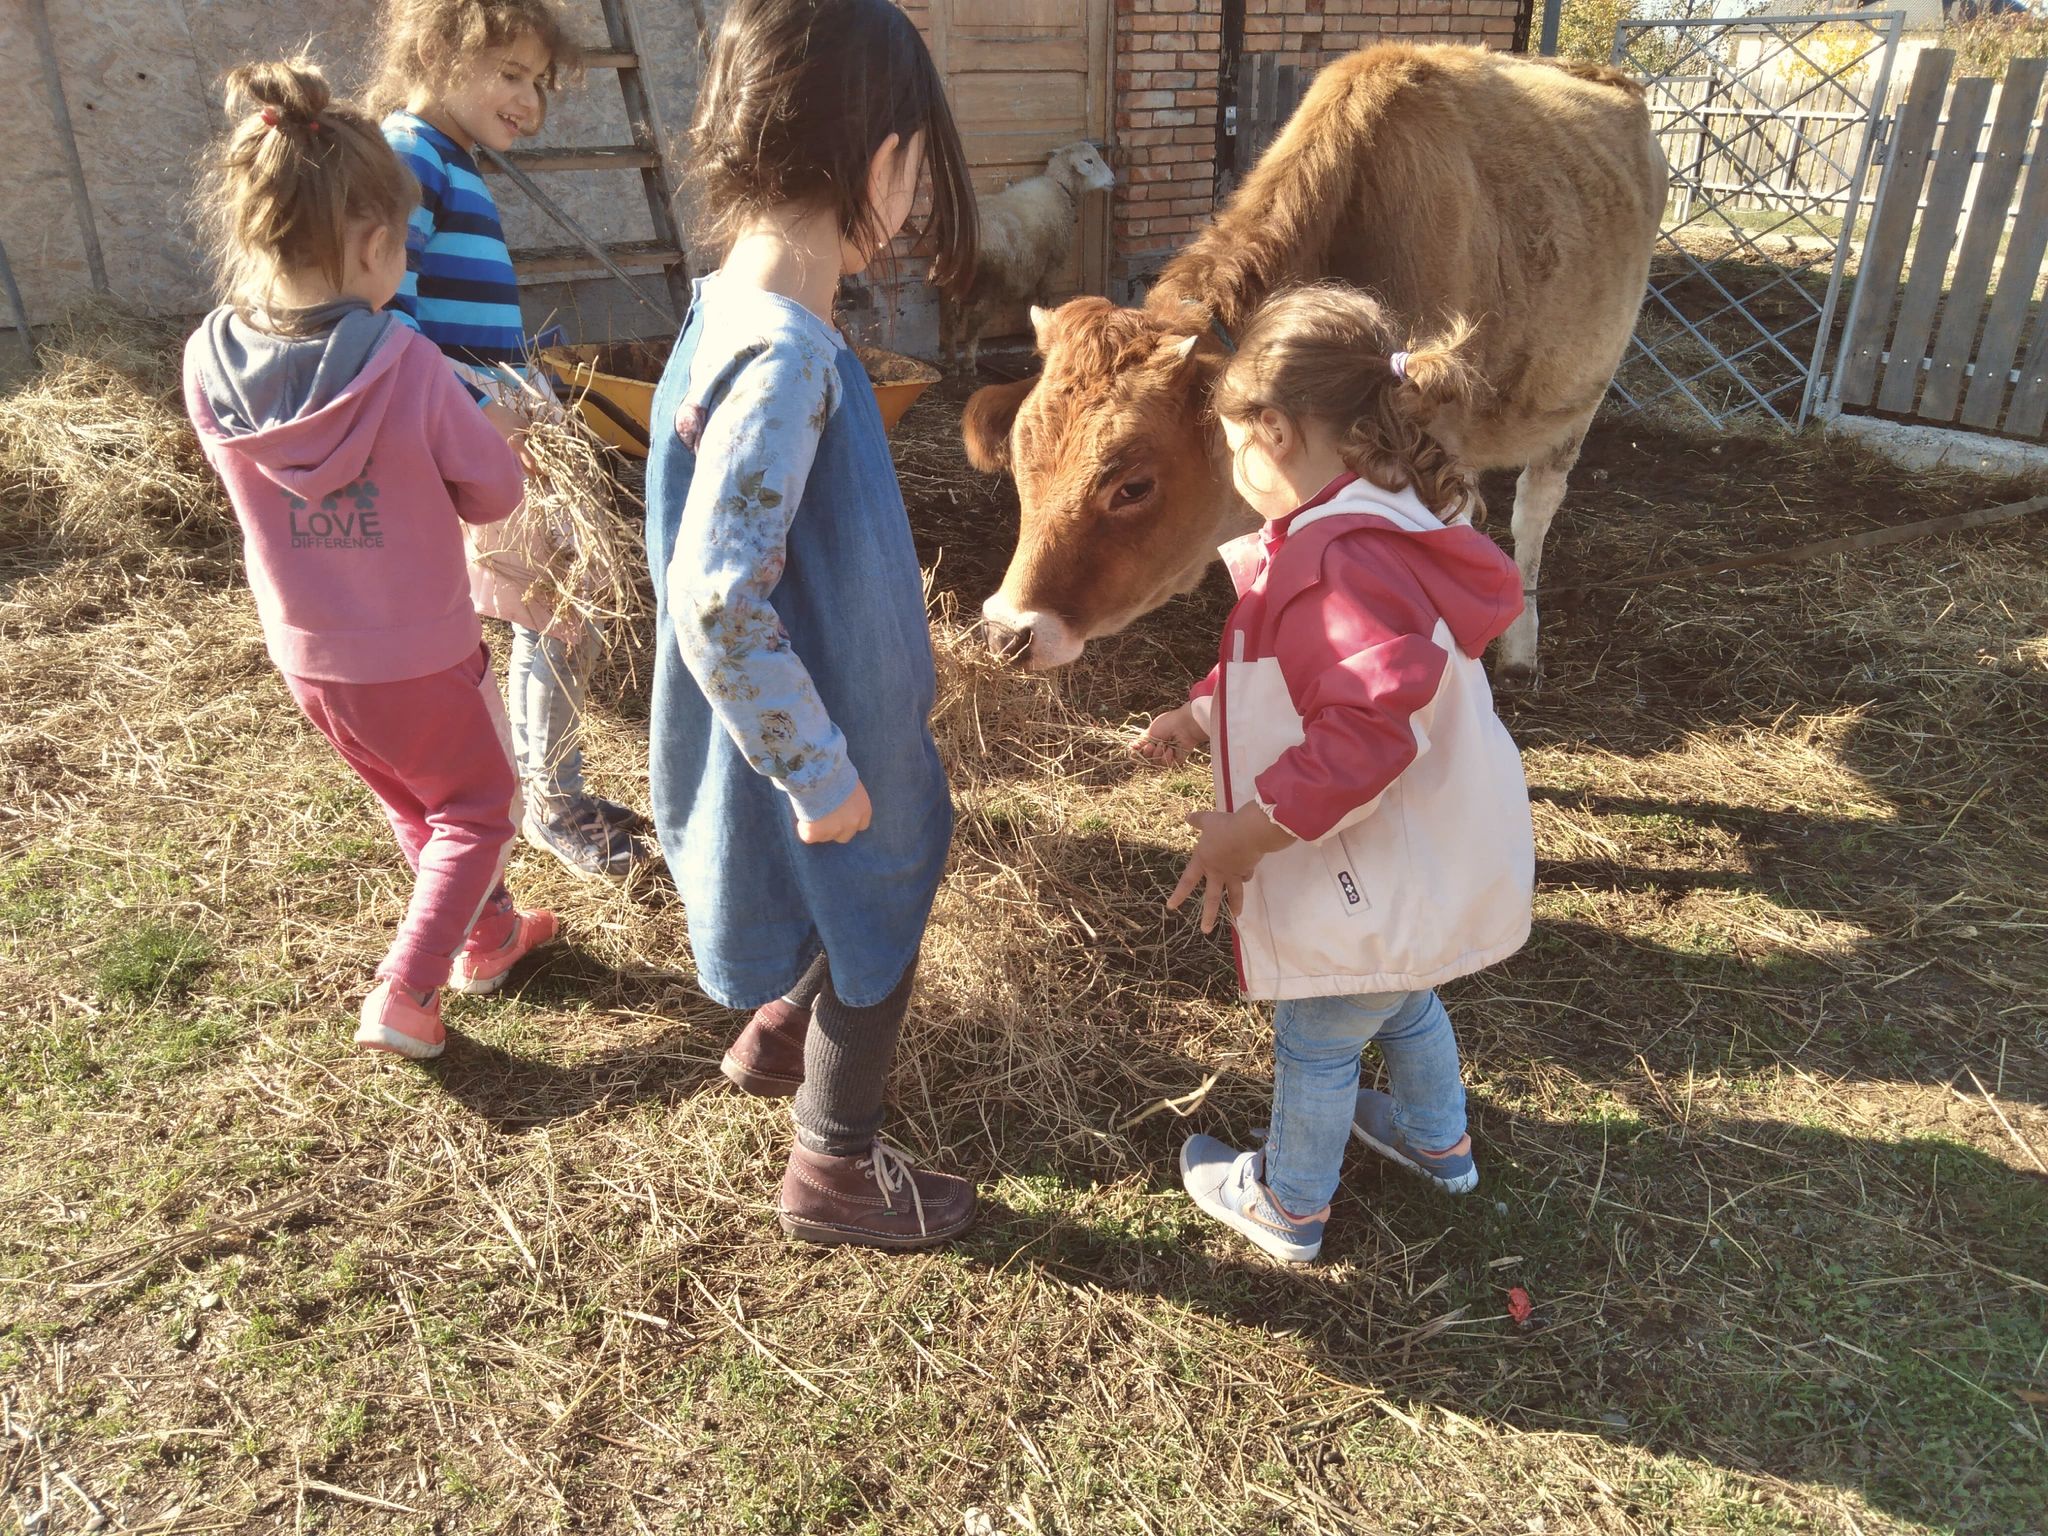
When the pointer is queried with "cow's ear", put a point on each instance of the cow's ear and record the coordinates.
(985, 424)
(1041, 327)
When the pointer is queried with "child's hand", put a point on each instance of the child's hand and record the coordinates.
(1221, 886)
(1232, 844)
(840, 826)
(1168, 740)
(512, 427)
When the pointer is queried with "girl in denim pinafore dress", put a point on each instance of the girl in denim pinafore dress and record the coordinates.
(797, 791)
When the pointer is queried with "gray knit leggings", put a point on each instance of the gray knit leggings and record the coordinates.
(846, 1062)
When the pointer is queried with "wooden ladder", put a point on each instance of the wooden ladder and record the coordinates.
(664, 253)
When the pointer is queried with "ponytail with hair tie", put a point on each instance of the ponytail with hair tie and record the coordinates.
(274, 206)
(1330, 353)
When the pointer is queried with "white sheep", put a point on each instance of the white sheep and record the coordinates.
(1027, 229)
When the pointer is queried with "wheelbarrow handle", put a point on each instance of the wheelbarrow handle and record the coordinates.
(605, 408)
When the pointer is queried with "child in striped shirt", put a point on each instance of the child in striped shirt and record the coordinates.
(460, 74)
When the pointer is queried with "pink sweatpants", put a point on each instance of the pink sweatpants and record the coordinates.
(437, 753)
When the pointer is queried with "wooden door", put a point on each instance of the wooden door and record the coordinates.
(1025, 77)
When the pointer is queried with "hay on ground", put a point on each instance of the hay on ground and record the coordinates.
(95, 448)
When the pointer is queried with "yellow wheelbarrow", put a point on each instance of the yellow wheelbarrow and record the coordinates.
(614, 384)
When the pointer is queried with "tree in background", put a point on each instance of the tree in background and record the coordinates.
(1986, 34)
(1586, 28)
(1985, 44)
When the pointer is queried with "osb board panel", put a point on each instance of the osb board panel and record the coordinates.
(36, 223)
(141, 80)
(135, 88)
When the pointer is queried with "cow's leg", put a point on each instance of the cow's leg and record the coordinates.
(1537, 494)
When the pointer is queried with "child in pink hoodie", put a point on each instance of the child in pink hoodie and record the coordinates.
(353, 457)
(1373, 836)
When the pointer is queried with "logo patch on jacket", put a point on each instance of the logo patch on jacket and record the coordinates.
(333, 526)
(1352, 895)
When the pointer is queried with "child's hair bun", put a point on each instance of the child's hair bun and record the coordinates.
(294, 89)
(283, 186)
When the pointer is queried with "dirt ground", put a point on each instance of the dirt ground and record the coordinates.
(1761, 1111)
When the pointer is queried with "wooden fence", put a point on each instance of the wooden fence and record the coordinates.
(1786, 146)
(1267, 94)
(1947, 322)
(1776, 145)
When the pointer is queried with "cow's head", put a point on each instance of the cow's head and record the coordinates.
(1123, 494)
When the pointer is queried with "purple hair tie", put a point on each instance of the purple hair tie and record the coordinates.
(1398, 362)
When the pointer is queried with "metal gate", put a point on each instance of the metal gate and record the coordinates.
(1769, 124)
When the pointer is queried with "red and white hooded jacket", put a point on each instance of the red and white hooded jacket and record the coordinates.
(1350, 704)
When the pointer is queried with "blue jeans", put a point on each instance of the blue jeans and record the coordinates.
(544, 700)
(1316, 1042)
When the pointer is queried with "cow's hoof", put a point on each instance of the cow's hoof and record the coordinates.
(1517, 677)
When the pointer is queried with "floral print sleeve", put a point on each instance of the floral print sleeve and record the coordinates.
(754, 448)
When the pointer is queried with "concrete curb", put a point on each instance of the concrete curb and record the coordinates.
(1923, 447)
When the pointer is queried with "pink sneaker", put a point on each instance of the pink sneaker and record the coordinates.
(393, 1022)
(477, 971)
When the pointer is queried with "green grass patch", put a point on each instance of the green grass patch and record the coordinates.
(152, 963)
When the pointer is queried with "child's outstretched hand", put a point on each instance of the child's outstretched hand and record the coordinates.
(1232, 844)
(1168, 740)
(842, 825)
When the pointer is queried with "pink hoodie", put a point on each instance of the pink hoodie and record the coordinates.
(1350, 703)
(351, 513)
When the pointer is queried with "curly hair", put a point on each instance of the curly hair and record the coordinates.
(430, 44)
(281, 188)
(797, 98)
(1332, 354)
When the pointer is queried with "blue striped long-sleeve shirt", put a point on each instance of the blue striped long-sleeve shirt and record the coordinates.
(459, 288)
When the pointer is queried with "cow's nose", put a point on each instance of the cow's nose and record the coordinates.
(1006, 643)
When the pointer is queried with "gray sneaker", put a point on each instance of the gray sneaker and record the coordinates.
(624, 817)
(584, 841)
(1452, 1170)
(1230, 1186)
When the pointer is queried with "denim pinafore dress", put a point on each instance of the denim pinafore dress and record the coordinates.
(760, 903)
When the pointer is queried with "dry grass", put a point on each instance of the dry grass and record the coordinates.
(598, 571)
(95, 448)
(1758, 1109)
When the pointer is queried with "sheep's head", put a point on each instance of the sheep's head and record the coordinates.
(1081, 168)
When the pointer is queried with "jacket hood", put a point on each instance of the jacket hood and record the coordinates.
(305, 411)
(1469, 580)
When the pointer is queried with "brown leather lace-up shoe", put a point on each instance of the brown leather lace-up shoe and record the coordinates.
(768, 1058)
(876, 1199)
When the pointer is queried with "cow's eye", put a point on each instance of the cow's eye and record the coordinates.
(1130, 493)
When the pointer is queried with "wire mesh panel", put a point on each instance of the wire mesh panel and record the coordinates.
(1768, 123)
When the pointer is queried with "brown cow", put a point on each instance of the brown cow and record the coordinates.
(1520, 194)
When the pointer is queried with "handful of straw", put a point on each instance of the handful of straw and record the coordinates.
(593, 569)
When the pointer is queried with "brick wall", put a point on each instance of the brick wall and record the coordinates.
(1165, 98)
(1168, 94)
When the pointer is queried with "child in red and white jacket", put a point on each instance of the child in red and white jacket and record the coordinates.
(1373, 836)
